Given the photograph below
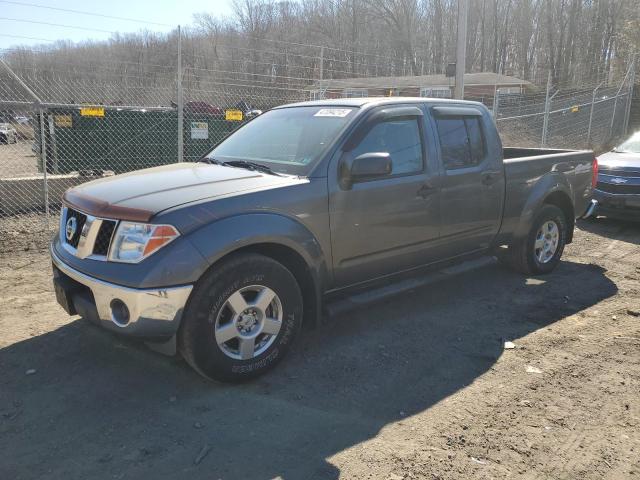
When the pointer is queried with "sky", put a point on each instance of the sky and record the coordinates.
(78, 27)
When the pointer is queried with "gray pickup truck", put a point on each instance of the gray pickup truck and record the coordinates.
(222, 259)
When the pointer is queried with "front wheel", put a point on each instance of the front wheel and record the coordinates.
(242, 318)
(540, 251)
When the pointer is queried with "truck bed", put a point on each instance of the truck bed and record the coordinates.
(531, 173)
(519, 152)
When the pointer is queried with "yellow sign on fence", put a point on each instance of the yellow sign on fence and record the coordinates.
(233, 115)
(63, 121)
(92, 111)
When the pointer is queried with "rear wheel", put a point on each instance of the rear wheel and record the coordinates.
(241, 319)
(540, 251)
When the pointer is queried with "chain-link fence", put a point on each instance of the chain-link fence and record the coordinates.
(566, 118)
(57, 131)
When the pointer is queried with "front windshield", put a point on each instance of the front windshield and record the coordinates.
(288, 140)
(630, 146)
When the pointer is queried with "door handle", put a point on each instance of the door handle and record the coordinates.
(426, 190)
(488, 178)
(562, 167)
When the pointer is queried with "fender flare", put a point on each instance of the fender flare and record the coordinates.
(552, 183)
(262, 230)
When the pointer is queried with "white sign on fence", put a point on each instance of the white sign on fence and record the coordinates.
(199, 130)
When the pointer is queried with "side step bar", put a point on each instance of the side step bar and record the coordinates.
(357, 300)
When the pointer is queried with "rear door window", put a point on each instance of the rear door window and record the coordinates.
(476, 139)
(461, 142)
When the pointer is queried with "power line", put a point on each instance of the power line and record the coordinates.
(27, 38)
(234, 47)
(335, 49)
(56, 25)
(80, 12)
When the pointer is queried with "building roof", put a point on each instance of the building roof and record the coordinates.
(470, 79)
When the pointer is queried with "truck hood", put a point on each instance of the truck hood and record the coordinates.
(141, 194)
(619, 161)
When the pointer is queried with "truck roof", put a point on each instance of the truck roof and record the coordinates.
(371, 101)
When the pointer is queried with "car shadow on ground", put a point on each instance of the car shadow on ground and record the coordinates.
(615, 229)
(102, 407)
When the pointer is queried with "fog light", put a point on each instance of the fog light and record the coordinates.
(119, 312)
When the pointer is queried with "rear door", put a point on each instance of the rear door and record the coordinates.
(387, 224)
(472, 187)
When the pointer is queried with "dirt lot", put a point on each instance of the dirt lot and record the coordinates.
(17, 160)
(416, 387)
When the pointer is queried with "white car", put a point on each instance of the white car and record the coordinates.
(8, 134)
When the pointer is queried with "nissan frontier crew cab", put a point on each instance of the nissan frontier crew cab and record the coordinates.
(224, 259)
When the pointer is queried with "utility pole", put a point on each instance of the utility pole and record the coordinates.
(461, 47)
(180, 101)
(322, 62)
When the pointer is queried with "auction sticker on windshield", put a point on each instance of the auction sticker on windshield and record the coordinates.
(332, 112)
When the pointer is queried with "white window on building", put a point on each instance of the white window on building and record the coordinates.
(435, 92)
(510, 90)
(355, 93)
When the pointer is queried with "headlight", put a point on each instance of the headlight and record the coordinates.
(134, 242)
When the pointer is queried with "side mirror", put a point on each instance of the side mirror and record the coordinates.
(367, 166)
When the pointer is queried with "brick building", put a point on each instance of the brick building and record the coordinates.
(478, 86)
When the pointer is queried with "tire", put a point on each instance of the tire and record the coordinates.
(215, 339)
(525, 255)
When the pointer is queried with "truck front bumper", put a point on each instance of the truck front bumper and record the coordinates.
(147, 313)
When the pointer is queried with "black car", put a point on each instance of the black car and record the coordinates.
(617, 193)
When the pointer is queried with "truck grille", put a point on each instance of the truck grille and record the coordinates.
(103, 240)
(92, 236)
(81, 218)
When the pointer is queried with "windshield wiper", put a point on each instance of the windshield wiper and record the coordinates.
(250, 166)
(258, 167)
(209, 160)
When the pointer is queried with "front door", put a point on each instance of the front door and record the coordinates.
(386, 225)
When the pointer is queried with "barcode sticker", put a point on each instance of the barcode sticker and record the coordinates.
(333, 112)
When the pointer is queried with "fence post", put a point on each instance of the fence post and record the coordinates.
(613, 115)
(43, 159)
(615, 103)
(496, 103)
(547, 107)
(180, 101)
(632, 81)
(593, 102)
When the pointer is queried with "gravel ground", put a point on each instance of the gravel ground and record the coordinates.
(416, 387)
(17, 160)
